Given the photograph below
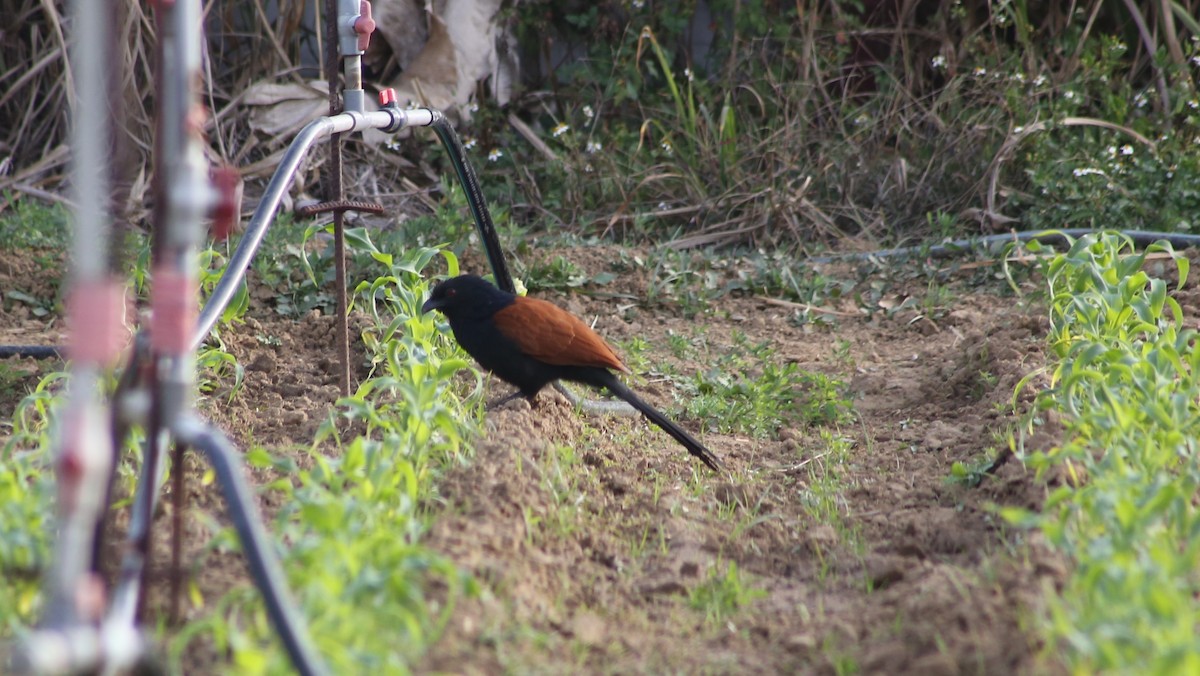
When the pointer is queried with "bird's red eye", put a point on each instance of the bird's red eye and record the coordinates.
(451, 292)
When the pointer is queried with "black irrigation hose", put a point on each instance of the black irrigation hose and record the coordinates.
(256, 544)
(34, 351)
(953, 248)
(483, 218)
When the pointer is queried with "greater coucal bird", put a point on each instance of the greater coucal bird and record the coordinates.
(530, 343)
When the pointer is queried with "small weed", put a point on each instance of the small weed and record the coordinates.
(11, 378)
(685, 280)
(746, 390)
(679, 344)
(561, 274)
(217, 369)
(722, 595)
(822, 496)
(971, 475)
(33, 225)
(38, 307)
(635, 354)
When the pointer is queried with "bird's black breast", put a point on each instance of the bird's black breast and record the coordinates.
(499, 354)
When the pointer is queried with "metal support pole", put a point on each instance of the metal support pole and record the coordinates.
(334, 193)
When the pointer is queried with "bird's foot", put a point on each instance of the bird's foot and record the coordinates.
(499, 403)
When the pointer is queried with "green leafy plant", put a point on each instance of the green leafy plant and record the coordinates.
(352, 514)
(26, 506)
(1126, 385)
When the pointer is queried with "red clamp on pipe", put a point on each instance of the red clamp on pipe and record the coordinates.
(387, 98)
(173, 299)
(97, 332)
(364, 25)
(226, 211)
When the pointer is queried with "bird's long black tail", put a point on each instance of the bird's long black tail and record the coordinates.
(653, 415)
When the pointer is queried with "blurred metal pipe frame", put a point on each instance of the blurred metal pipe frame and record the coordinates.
(389, 120)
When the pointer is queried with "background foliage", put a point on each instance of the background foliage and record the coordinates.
(733, 121)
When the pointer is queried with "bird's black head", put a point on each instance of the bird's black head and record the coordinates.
(466, 296)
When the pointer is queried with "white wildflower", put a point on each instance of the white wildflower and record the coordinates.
(592, 147)
(495, 155)
(938, 62)
(588, 112)
(470, 142)
(666, 146)
(687, 72)
(561, 129)
(1088, 171)
(980, 71)
(1126, 149)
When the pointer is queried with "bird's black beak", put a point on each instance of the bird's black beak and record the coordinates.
(431, 304)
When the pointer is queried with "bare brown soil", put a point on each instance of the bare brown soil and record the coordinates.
(588, 566)
(917, 577)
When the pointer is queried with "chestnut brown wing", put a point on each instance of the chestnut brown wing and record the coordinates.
(550, 334)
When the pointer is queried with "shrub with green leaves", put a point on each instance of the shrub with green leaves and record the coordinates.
(766, 123)
(1126, 384)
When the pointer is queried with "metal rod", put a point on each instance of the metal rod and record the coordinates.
(82, 452)
(336, 194)
(178, 490)
(186, 196)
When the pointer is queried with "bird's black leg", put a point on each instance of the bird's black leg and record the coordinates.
(500, 402)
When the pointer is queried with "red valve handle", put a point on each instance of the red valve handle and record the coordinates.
(387, 97)
(226, 210)
(364, 25)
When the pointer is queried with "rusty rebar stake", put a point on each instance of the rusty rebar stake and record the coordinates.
(335, 194)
